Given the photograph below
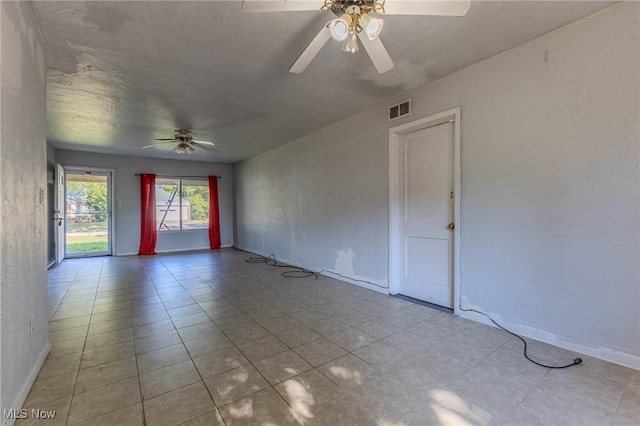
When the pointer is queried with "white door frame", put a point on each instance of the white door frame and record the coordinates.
(395, 135)
(59, 216)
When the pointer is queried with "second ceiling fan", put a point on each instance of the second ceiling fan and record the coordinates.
(185, 143)
(354, 21)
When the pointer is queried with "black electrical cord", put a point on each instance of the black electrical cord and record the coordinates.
(297, 272)
(575, 361)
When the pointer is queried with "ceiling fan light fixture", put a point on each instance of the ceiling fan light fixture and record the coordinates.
(351, 43)
(184, 148)
(371, 26)
(339, 27)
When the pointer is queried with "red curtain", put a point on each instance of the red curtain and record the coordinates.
(214, 214)
(148, 231)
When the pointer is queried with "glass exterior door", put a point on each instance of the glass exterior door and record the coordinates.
(87, 213)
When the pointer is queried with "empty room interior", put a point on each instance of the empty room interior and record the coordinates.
(317, 212)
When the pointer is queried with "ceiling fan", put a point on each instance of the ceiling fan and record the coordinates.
(354, 22)
(185, 143)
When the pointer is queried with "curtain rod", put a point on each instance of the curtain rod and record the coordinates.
(179, 177)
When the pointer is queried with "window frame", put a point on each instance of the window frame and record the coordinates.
(178, 182)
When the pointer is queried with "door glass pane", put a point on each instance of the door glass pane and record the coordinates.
(87, 229)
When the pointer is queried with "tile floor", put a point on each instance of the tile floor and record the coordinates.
(207, 339)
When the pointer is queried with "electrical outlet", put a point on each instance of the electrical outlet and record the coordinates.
(32, 326)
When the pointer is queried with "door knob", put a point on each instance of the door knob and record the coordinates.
(451, 225)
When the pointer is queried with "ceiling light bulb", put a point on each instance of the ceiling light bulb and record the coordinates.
(183, 148)
(351, 43)
(339, 27)
(371, 26)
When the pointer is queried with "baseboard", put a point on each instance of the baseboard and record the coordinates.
(325, 273)
(368, 286)
(237, 247)
(20, 399)
(182, 250)
(132, 253)
(605, 354)
(135, 253)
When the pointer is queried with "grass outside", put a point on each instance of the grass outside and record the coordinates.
(86, 227)
(77, 244)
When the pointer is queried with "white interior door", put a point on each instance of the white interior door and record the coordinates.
(58, 217)
(426, 198)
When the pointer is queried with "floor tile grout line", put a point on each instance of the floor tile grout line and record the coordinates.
(190, 358)
(272, 386)
(73, 392)
(79, 367)
(65, 293)
(238, 349)
(142, 408)
(186, 288)
(313, 368)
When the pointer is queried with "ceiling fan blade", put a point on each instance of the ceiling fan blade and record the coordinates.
(166, 139)
(161, 143)
(377, 53)
(427, 7)
(280, 5)
(203, 142)
(311, 51)
(205, 147)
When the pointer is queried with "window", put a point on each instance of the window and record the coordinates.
(182, 204)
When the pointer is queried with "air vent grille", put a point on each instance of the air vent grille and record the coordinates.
(400, 110)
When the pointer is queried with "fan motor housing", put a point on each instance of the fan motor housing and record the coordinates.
(339, 7)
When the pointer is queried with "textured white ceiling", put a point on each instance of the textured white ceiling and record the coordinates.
(123, 73)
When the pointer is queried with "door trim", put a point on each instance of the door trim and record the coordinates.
(59, 215)
(112, 224)
(395, 134)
